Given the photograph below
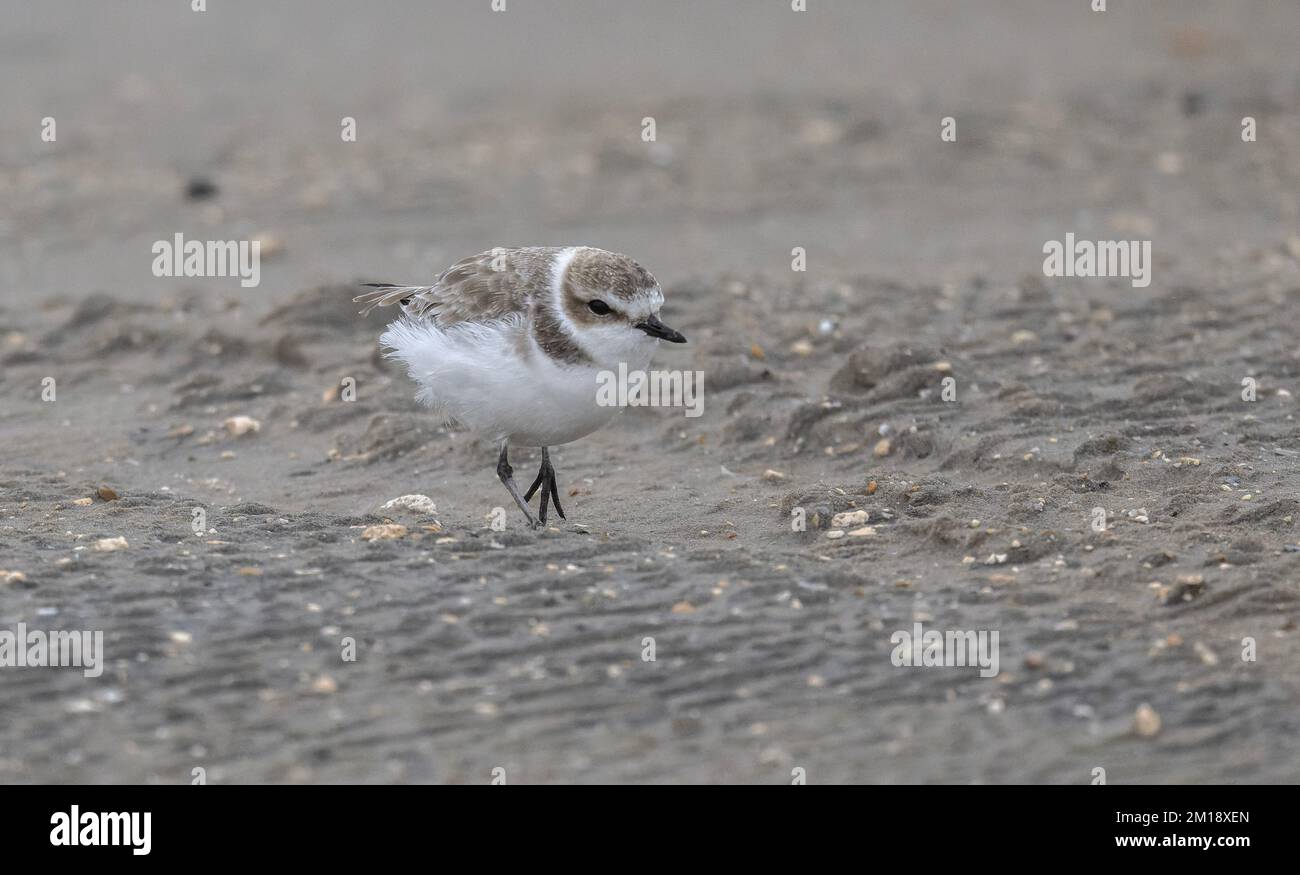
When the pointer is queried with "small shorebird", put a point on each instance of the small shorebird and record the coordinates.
(510, 343)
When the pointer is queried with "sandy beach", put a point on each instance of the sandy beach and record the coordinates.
(129, 401)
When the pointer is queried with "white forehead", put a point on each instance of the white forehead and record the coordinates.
(644, 303)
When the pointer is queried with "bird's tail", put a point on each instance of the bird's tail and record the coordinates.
(385, 295)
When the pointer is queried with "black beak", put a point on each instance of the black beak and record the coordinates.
(655, 328)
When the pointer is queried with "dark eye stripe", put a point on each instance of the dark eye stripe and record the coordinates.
(599, 307)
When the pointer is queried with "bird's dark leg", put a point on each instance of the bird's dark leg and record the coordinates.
(506, 474)
(546, 480)
(555, 490)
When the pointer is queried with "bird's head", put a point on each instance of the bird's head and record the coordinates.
(612, 304)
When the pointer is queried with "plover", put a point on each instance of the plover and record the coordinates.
(510, 343)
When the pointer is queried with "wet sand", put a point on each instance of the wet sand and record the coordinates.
(479, 648)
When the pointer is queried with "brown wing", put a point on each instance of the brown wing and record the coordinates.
(490, 285)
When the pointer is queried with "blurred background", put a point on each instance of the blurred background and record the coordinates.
(774, 130)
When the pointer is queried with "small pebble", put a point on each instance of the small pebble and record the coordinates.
(242, 425)
(418, 503)
(324, 685)
(1146, 722)
(1207, 656)
(384, 532)
(199, 188)
(271, 245)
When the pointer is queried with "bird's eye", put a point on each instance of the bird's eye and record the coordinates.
(599, 307)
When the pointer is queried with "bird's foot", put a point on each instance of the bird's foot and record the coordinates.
(546, 480)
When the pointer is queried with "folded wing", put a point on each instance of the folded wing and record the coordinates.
(491, 285)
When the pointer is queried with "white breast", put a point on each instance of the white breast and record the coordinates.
(493, 378)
